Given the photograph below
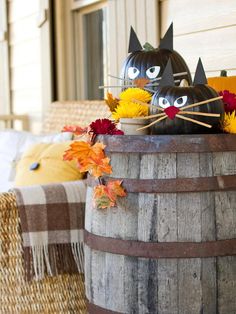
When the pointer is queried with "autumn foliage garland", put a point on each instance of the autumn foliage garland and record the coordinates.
(91, 158)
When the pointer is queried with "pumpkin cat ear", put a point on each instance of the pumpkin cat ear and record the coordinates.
(134, 44)
(167, 78)
(200, 76)
(167, 40)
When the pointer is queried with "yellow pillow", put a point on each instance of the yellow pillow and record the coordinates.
(43, 163)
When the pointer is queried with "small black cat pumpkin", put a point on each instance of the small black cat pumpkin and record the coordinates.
(202, 102)
(148, 64)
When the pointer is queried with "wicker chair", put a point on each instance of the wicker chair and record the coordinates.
(59, 294)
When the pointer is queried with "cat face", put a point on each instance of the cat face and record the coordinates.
(185, 110)
(171, 100)
(144, 66)
(148, 67)
(171, 106)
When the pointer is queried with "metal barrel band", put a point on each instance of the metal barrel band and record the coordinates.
(175, 185)
(95, 309)
(157, 250)
(191, 143)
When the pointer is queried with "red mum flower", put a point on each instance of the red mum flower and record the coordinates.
(104, 126)
(118, 132)
(229, 100)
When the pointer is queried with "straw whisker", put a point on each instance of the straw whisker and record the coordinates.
(157, 84)
(153, 116)
(149, 90)
(175, 74)
(202, 102)
(120, 78)
(154, 122)
(115, 86)
(145, 104)
(194, 121)
(216, 115)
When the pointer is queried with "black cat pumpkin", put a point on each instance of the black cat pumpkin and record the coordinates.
(185, 110)
(144, 66)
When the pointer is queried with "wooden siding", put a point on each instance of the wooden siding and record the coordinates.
(205, 29)
(25, 60)
(143, 16)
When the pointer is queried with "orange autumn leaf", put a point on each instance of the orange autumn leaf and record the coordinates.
(77, 130)
(99, 191)
(96, 166)
(112, 102)
(106, 195)
(101, 200)
(115, 189)
(81, 151)
(90, 158)
(71, 153)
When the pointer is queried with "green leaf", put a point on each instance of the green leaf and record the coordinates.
(148, 47)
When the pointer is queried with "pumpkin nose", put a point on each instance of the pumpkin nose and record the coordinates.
(171, 112)
(141, 82)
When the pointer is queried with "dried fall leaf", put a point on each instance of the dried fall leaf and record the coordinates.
(112, 102)
(101, 200)
(77, 130)
(96, 166)
(81, 151)
(115, 189)
(106, 195)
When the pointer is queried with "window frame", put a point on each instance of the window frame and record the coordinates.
(78, 50)
(78, 4)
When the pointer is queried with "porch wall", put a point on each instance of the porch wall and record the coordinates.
(204, 29)
(143, 15)
(25, 60)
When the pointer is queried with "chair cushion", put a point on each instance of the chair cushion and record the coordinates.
(43, 163)
(13, 144)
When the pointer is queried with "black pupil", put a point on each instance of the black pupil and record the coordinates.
(164, 101)
(135, 70)
(180, 100)
(152, 69)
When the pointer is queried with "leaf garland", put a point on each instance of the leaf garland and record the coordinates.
(91, 158)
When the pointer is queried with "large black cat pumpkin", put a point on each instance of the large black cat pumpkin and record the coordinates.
(185, 110)
(144, 66)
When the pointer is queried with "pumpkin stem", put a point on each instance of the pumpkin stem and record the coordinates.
(148, 47)
(223, 73)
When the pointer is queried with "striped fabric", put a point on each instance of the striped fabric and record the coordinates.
(52, 222)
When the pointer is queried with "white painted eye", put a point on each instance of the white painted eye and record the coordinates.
(181, 101)
(133, 73)
(163, 103)
(153, 72)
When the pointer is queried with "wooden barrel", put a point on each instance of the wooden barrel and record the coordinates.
(169, 246)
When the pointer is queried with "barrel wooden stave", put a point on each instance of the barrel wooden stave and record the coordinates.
(226, 272)
(138, 285)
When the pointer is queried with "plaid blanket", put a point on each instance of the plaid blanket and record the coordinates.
(52, 222)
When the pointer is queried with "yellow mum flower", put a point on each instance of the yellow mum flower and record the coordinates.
(229, 122)
(129, 110)
(135, 93)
